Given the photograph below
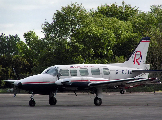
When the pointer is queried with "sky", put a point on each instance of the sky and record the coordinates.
(20, 16)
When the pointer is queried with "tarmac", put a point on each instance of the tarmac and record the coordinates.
(115, 106)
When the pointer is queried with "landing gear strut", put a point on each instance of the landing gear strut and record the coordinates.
(97, 99)
(32, 101)
(52, 99)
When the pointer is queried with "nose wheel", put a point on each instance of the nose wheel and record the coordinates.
(32, 101)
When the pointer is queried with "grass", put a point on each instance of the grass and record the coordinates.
(4, 90)
(9, 90)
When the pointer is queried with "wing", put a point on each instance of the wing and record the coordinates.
(95, 82)
(11, 81)
(115, 82)
(85, 82)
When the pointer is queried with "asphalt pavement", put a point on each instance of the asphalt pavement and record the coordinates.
(115, 106)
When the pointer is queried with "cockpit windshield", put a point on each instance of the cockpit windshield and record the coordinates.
(52, 71)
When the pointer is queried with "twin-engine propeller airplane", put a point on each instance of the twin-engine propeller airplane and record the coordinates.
(89, 77)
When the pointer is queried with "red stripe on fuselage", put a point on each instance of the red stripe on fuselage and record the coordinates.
(79, 80)
(37, 82)
(88, 80)
(99, 80)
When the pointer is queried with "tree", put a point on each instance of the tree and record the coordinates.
(122, 13)
(156, 11)
(65, 22)
(8, 44)
(33, 50)
(58, 33)
(142, 23)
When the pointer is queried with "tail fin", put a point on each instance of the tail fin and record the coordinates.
(138, 58)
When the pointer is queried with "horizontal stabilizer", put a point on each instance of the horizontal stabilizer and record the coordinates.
(146, 71)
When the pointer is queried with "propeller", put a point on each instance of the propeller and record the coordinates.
(17, 87)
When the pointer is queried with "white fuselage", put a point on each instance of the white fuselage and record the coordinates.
(105, 71)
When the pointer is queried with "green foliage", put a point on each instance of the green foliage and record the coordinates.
(58, 33)
(156, 11)
(12, 62)
(65, 22)
(8, 44)
(122, 13)
(34, 50)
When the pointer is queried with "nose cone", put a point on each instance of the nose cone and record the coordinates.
(36, 82)
(40, 78)
(36, 79)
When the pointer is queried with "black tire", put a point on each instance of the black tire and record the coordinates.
(97, 101)
(52, 101)
(122, 91)
(32, 103)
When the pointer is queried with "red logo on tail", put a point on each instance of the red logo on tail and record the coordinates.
(137, 58)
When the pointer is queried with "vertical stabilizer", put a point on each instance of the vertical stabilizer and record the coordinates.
(138, 57)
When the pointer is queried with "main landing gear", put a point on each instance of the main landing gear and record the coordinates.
(97, 99)
(122, 91)
(32, 101)
(52, 99)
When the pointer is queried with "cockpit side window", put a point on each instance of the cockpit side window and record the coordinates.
(52, 71)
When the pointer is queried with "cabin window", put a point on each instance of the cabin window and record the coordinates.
(83, 72)
(95, 71)
(73, 72)
(64, 72)
(106, 71)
